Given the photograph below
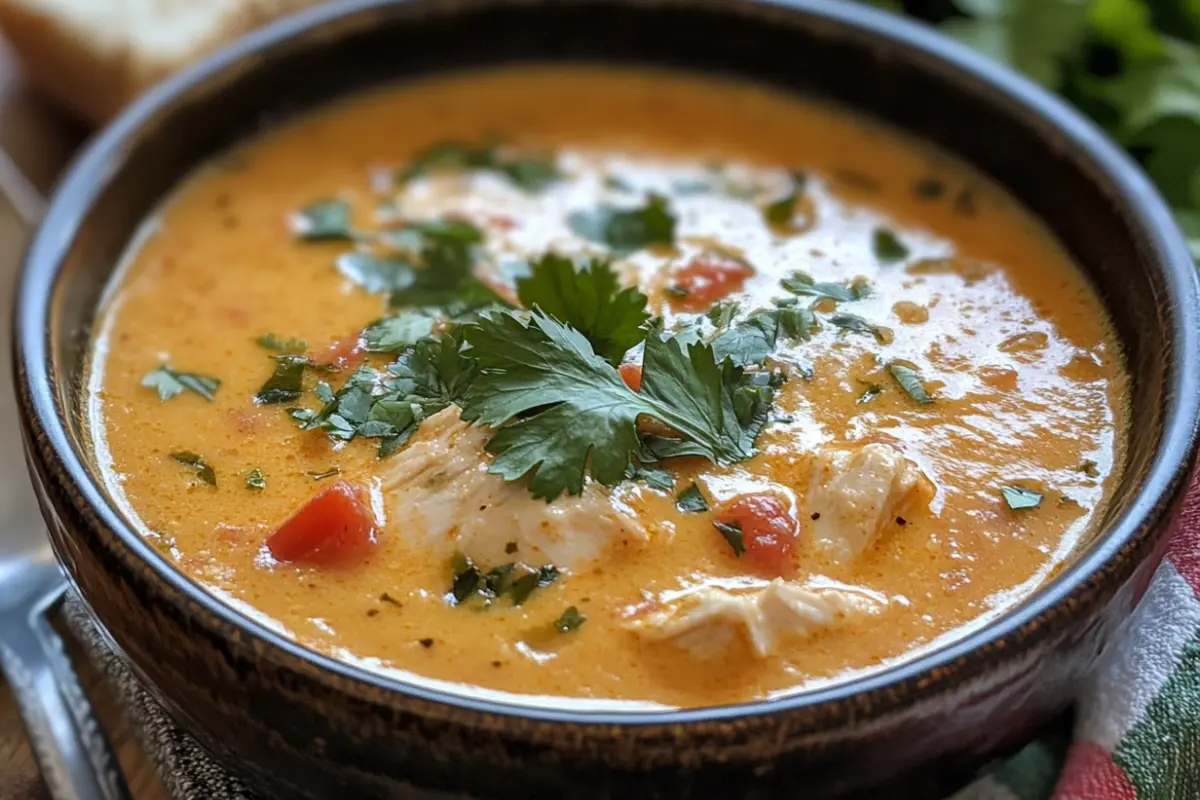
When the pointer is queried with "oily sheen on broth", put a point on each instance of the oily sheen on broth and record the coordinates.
(806, 397)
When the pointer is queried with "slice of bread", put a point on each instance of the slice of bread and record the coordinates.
(94, 56)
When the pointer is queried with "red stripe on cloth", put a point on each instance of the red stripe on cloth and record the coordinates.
(1184, 547)
(1091, 774)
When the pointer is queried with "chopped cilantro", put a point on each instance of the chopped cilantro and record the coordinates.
(203, 471)
(590, 300)
(170, 383)
(853, 323)
(887, 246)
(512, 580)
(1089, 467)
(393, 334)
(269, 341)
(910, 381)
(560, 410)
(322, 475)
(691, 500)
(802, 284)
(660, 479)
(285, 384)
(322, 220)
(780, 213)
(731, 532)
(871, 391)
(627, 229)
(255, 479)
(1019, 497)
(529, 171)
(569, 620)
(377, 274)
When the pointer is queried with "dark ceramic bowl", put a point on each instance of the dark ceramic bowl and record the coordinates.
(295, 723)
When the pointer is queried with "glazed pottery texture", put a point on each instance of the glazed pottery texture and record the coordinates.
(297, 724)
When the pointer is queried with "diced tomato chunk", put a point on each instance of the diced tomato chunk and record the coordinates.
(769, 532)
(707, 279)
(335, 528)
(631, 373)
(342, 354)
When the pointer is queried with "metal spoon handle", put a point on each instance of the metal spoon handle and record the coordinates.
(68, 741)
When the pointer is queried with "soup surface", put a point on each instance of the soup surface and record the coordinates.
(759, 394)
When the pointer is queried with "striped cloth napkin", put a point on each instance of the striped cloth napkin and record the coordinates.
(1136, 733)
(1137, 719)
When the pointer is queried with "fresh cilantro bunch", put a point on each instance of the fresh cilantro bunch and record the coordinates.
(1132, 65)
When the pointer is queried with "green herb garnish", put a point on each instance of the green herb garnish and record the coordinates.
(627, 229)
(691, 500)
(853, 323)
(285, 384)
(323, 474)
(269, 341)
(529, 171)
(203, 471)
(569, 620)
(910, 381)
(1089, 467)
(731, 532)
(255, 479)
(393, 334)
(780, 213)
(660, 479)
(590, 300)
(1019, 497)
(513, 580)
(323, 220)
(871, 391)
(560, 410)
(887, 246)
(802, 284)
(170, 383)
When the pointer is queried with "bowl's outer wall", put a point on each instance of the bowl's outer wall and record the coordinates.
(298, 726)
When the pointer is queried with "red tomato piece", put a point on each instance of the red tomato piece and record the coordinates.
(343, 353)
(335, 528)
(631, 373)
(769, 532)
(707, 279)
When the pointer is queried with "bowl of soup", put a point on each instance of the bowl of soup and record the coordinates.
(610, 397)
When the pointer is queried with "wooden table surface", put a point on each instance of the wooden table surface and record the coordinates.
(40, 141)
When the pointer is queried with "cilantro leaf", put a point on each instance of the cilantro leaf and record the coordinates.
(323, 220)
(203, 471)
(802, 284)
(171, 383)
(393, 334)
(285, 384)
(660, 479)
(269, 341)
(561, 410)
(780, 213)
(321, 475)
(255, 479)
(629, 229)
(887, 246)
(910, 381)
(732, 533)
(691, 500)
(529, 171)
(569, 620)
(1018, 497)
(852, 323)
(377, 274)
(590, 300)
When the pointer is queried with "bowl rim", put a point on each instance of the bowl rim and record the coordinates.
(82, 185)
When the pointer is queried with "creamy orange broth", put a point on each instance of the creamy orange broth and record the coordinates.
(1026, 374)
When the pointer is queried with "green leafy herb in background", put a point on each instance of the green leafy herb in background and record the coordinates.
(1133, 66)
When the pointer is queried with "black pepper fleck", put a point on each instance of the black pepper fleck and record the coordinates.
(427, 643)
(374, 612)
(816, 515)
(929, 188)
(901, 521)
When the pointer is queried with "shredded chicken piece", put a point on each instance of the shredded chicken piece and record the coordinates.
(854, 495)
(439, 493)
(707, 620)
